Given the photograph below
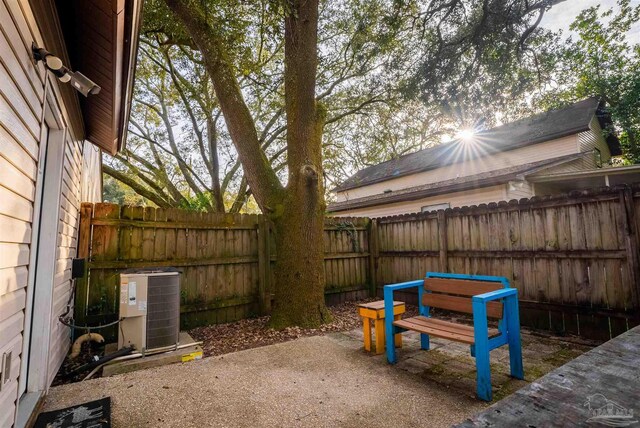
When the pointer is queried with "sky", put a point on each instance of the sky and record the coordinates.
(561, 15)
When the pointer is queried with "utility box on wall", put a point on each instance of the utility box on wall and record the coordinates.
(149, 309)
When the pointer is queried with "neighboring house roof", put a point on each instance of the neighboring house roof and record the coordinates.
(612, 171)
(489, 178)
(532, 130)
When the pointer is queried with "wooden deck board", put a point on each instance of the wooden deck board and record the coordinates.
(560, 398)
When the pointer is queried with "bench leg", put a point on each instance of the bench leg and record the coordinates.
(398, 337)
(481, 345)
(366, 329)
(483, 374)
(424, 341)
(424, 311)
(388, 326)
(515, 355)
(513, 331)
(379, 333)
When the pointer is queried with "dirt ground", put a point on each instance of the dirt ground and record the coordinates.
(250, 333)
(315, 381)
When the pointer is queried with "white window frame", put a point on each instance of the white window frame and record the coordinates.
(435, 207)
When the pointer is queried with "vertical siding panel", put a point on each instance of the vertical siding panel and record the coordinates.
(20, 111)
(71, 198)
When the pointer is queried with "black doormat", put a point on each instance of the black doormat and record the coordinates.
(94, 414)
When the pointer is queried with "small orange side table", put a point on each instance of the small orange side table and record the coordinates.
(374, 311)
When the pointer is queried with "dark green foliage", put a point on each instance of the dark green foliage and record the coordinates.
(479, 56)
(112, 191)
(601, 62)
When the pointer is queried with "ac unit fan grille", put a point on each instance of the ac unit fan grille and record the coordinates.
(163, 311)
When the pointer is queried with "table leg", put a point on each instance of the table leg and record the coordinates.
(398, 337)
(379, 326)
(366, 329)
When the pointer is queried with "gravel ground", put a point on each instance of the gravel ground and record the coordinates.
(325, 380)
(311, 382)
(251, 333)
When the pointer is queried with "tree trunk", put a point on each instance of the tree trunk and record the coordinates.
(214, 166)
(299, 268)
(299, 229)
(297, 210)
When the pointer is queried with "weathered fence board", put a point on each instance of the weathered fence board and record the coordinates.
(573, 257)
(225, 260)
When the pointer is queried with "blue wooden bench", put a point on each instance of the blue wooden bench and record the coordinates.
(482, 296)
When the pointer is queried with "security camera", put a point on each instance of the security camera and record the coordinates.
(83, 84)
(79, 81)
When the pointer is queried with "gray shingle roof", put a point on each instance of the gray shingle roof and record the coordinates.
(532, 130)
(489, 178)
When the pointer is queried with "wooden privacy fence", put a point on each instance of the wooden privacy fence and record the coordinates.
(226, 260)
(574, 258)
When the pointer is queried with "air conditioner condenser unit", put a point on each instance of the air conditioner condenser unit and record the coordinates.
(149, 309)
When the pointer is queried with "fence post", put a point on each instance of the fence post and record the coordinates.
(631, 241)
(373, 257)
(84, 252)
(442, 240)
(264, 265)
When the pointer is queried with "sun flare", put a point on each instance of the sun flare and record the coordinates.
(466, 135)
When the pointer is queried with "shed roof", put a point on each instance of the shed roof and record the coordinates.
(535, 129)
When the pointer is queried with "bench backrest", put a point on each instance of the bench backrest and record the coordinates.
(455, 294)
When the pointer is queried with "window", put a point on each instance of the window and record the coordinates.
(598, 157)
(436, 207)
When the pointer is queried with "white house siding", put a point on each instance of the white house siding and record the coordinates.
(81, 182)
(21, 95)
(594, 139)
(534, 153)
(21, 105)
(588, 161)
(66, 251)
(456, 199)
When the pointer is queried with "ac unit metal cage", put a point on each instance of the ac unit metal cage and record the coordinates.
(150, 309)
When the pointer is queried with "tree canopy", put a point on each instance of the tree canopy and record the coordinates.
(601, 62)
(394, 76)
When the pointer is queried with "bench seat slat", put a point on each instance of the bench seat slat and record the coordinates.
(459, 304)
(439, 328)
(463, 287)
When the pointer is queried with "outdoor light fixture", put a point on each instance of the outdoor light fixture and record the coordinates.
(79, 81)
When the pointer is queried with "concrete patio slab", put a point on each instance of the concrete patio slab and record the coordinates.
(319, 381)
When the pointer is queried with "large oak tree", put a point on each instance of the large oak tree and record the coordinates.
(177, 135)
(460, 35)
(297, 209)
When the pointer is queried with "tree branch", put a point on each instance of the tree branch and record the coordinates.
(262, 179)
(137, 187)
